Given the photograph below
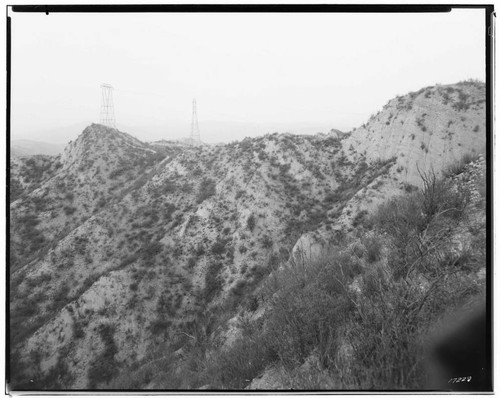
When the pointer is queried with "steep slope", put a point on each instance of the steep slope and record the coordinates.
(94, 170)
(376, 310)
(28, 173)
(205, 224)
(424, 131)
(135, 248)
(413, 135)
(430, 128)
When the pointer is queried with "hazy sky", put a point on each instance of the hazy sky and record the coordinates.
(250, 73)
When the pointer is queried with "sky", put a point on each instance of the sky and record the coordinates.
(250, 73)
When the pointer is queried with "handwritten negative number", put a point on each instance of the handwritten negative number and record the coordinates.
(460, 379)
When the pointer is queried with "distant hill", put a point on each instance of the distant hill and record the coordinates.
(56, 135)
(29, 148)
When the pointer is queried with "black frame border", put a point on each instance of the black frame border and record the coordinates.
(268, 8)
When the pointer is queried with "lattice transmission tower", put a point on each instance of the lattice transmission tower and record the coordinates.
(194, 139)
(107, 116)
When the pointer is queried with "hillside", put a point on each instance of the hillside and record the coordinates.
(430, 128)
(127, 258)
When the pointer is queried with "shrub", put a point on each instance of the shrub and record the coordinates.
(15, 189)
(128, 260)
(239, 194)
(197, 172)
(213, 281)
(101, 203)
(266, 242)
(246, 145)
(61, 295)
(410, 188)
(151, 250)
(200, 250)
(235, 367)
(159, 368)
(309, 302)
(78, 331)
(439, 197)
(160, 326)
(251, 222)
(104, 367)
(284, 168)
(373, 249)
(26, 308)
(191, 262)
(68, 210)
(219, 246)
(186, 188)
(239, 288)
(230, 253)
(206, 190)
(461, 103)
(460, 166)
(359, 218)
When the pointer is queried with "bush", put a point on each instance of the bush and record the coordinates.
(410, 188)
(160, 326)
(219, 246)
(191, 262)
(78, 331)
(461, 104)
(213, 281)
(68, 210)
(15, 189)
(104, 367)
(439, 196)
(235, 367)
(239, 194)
(239, 288)
(200, 250)
(267, 242)
(60, 296)
(309, 302)
(373, 249)
(460, 166)
(128, 260)
(302, 321)
(360, 218)
(159, 368)
(206, 190)
(251, 222)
